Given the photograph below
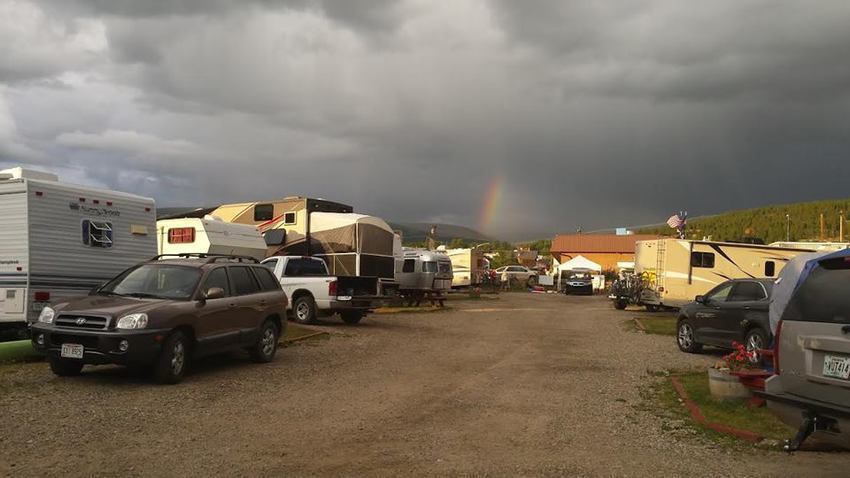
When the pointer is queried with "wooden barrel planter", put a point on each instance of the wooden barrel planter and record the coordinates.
(725, 386)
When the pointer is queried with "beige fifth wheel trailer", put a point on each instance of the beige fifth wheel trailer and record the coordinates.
(674, 271)
(351, 244)
(467, 265)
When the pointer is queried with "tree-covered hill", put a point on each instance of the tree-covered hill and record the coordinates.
(769, 223)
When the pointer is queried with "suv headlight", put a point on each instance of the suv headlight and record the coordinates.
(46, 315)
(132, 321)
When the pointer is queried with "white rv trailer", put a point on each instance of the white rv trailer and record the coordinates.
(813, 245)
(209, 235)
(60, 240)
(468, 266)
(675, 271)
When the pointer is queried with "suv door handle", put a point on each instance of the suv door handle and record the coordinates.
(232, 305)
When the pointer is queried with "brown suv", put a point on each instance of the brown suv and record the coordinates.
(160, 313)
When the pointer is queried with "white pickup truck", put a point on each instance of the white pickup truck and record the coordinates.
(314, 293)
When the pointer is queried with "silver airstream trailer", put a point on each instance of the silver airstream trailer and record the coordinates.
(425, 274)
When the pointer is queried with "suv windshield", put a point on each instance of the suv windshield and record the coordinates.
(154, 281)
(824, 296)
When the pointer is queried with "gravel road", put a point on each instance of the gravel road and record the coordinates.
(524, 385)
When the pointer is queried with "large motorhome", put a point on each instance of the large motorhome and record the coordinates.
(209, 235)
(60, 240)
(468, 266)
(351, 244)
(674, 271)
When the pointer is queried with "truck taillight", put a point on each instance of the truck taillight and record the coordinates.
(776, 348)
(42, 296)
(332, 288)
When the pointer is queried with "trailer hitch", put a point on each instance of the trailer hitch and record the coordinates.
(811, 422)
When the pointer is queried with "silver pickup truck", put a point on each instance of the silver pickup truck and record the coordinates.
(314, 293)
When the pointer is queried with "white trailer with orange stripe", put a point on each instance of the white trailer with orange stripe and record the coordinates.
(60, 240)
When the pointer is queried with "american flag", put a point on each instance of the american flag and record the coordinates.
(676, 221)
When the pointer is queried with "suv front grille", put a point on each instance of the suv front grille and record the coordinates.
(84, 340)
(82, 322)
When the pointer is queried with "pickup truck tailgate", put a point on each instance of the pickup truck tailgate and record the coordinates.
(354, 286)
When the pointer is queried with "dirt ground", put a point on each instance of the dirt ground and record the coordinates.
(525, 385)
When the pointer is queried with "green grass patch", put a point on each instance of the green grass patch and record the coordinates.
(659, 325)
(734, 413)
(18, 351)
(662, 400)
(297, 332)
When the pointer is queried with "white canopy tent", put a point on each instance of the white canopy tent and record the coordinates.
(579, 262)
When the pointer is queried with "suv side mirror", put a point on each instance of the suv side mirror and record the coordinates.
(214, 293)
(700, 299)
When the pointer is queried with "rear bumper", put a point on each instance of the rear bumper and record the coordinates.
(364, 303)
(816, 406)
(102, 346)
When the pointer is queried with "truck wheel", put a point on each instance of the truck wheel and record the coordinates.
(686, 338)
(532, 281)
(264, 349)
(64, 367)
(651, 308)
(621, 304)
(351, 316)
(304, 310)
(171, 363)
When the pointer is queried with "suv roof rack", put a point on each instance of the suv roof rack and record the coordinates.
(211, 258)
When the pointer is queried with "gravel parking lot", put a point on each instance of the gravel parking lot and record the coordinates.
(524, 385)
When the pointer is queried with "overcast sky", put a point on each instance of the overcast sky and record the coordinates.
(596, 114)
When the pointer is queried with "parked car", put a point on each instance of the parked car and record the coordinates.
(811, 385)
(734, 311)
(161, 313)
(519, 274)
(314, 292)
(578, 281)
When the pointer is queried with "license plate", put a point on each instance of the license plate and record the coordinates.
(72, 351)
(837, 367)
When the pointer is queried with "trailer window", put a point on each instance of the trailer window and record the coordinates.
(409, 265)
(445, 267)
(769, 268)
(97, 233)
(702, 259)
(181, 235)
(429, 266)
(264, 212)
(289, 218)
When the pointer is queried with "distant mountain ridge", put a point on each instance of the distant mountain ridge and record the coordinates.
(418, 232)
(768, 223)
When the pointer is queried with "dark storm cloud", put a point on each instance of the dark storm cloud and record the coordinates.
(597, 114)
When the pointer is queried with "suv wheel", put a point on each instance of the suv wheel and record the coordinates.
(64, 367)
(532, 281)
(304, 310)
(686, 338)
(264, 349)
(621, 304)
(756, 339)
(351, 316)
(171, 364)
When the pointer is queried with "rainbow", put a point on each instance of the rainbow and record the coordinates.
(492, 200)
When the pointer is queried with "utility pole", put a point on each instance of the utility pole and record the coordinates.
(788, 228)
(821, 227)
(841, 227)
